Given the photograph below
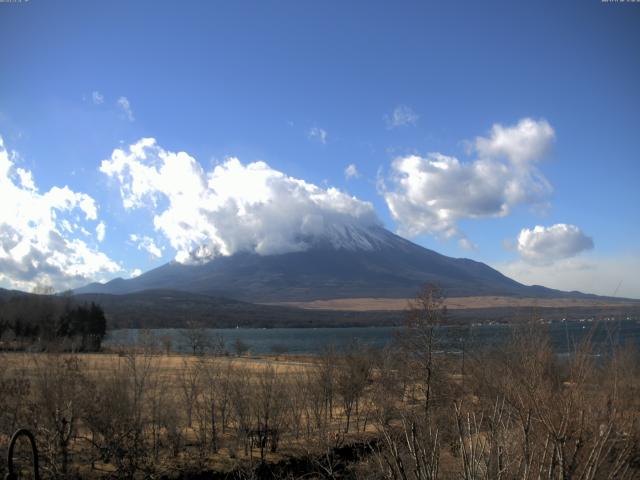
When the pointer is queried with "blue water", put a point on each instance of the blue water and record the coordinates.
(564, 336)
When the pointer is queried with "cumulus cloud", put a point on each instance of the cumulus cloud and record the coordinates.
(97, 98)
(125, 105)
(544, 245)
(351, 172)
(525, 142)
(101, 230)
(147, 244)
(39, 242)
(234, 207)
(401, 116)
(136, 272)
(26, 179)
(317, 134)
(430, 194)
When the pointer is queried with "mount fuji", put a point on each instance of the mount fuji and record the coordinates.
(345, 261)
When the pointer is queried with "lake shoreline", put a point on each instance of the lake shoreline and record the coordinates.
(313, 340)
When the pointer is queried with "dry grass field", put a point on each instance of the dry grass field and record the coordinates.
(172, 366)
(455, 303)
(517, 411)
(177, 399)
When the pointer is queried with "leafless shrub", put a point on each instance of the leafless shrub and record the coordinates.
(115, 416)
(212, 405)
(568, 417)
(55, 408)
(241, 347)
(197, 338)
(268, 408)
(352, 377)
(15, 391)
(189, 386)
(240, 401)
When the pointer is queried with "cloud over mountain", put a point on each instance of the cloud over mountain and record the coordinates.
(43, 239)
(147, 244)
(430, 194)
(544, 245)
(234, 207)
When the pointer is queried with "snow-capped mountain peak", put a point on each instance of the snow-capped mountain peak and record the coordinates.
(353, 237)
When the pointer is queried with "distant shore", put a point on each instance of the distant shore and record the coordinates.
(457, 303)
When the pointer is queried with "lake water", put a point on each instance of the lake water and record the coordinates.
(563, 335)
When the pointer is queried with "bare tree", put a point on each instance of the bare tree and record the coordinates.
(114, 414)
(268, 410)
(197, 338)
(189, 385)
(423, 316)
(564, 418)
(213, 403)
(56, 408)
(15, 391)
(410, 447)
(240, 347)
(240, 401)
(353, 376)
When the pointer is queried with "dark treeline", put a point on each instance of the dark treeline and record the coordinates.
(173, 309)
(48, 321)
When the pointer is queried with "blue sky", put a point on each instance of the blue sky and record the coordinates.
(534, 106)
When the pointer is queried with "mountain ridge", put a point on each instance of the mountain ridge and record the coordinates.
(354, 262)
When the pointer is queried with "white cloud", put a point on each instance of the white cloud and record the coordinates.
(147, 244)
(135, 273)
(37, 244)
(467, 244)
(101, 230)
(317, 134)
(528, 141)
(546, 244)
(234, 207)
(97, 98)
(401, 116)
(26, 179)
(587, 273)
(430, 194)
(123, 103)
(351, 172)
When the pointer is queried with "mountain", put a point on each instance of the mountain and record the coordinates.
(343, 262)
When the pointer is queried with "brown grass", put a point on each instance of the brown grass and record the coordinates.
(454, 303)
(172, 366)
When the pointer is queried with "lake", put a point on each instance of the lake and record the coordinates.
(563, 335)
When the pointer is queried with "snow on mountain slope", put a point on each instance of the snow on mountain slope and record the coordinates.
(345, 261)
